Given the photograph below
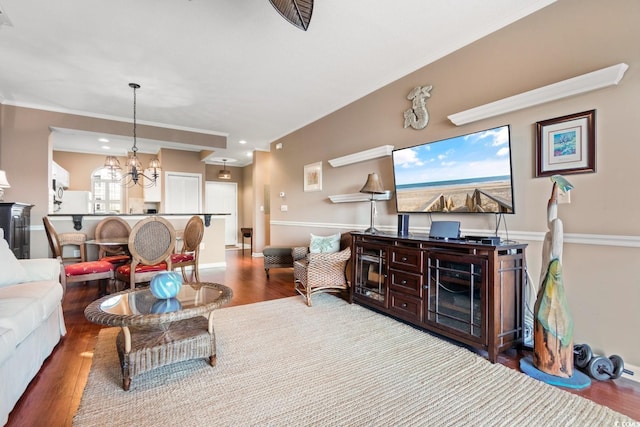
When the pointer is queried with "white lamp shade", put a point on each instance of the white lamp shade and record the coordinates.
(3, 180)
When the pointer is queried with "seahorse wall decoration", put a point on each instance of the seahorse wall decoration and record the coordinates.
(417, 116)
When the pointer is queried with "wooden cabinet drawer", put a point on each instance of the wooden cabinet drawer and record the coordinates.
(408, 283)
(405, 306)
(406, 259)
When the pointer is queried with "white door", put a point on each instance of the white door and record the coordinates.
(183, 192)
(222, 197)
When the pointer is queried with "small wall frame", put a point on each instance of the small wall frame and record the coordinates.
(313, 177)
(566, 145)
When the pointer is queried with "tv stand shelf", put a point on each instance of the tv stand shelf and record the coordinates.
(466, 291)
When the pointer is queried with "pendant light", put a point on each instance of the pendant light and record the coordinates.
(224, 173)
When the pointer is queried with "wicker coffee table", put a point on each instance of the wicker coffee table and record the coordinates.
(157, 332)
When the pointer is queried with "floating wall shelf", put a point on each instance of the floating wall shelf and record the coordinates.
(360, 197)
(574, 86)
(373, 153)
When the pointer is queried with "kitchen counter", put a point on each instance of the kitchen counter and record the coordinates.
(77, 218)
(212, 249)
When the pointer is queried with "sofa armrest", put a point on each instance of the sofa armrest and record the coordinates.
(299, 252)
(331, 257)
(41, 268)
(324, 269)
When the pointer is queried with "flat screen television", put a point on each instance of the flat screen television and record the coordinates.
(467, 173)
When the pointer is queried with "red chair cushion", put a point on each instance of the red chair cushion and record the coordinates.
(116, 259)
(141, 268)
(181, 257)
(89, 267)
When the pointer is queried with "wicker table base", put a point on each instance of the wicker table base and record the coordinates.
(158, 332)
(153, 346)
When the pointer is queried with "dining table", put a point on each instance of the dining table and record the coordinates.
(109, 241)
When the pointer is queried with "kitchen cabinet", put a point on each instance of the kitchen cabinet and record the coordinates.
(152, 194)
(15, 220)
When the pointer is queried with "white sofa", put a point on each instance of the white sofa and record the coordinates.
(31, 321)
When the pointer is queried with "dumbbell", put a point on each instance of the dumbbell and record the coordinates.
(602, 368)
(582, 354)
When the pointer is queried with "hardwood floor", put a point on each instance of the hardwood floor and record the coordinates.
(53, 396)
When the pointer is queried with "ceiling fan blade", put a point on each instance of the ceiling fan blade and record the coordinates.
(297, 12)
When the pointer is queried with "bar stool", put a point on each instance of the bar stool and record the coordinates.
(247, 233)
(73, 239)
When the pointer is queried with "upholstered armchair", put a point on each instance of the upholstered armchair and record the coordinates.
(321, 272)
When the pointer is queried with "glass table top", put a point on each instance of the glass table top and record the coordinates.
(143, 302)
(139, 306)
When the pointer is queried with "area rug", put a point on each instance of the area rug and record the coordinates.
(281, 363)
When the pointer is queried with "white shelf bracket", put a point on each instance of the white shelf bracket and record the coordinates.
(361, 156)
(599, 79)
(360, 197)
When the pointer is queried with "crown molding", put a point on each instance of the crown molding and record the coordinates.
(62, 110)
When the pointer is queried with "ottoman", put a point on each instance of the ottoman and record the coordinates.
(277, 257)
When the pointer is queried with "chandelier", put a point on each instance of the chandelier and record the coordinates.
(134, 172)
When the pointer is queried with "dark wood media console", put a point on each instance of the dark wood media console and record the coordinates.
(467, 291)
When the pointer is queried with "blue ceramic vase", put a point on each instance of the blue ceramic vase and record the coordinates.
(166, 306)
(166, 284)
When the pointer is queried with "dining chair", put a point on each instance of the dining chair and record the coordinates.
(190, 251)
(113, 227)
(151, 243)
(81, 271)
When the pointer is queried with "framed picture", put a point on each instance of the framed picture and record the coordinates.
(566, 145)
(313, 177)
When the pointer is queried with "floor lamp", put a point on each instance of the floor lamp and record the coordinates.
(372, 186)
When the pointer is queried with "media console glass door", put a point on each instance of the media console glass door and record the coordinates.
(371, 273)
(455, 293)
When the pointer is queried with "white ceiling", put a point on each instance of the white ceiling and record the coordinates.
(230, 67)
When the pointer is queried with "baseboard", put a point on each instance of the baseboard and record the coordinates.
(222, 264)
(635, 370)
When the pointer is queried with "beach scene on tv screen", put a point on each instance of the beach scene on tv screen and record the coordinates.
(469, 173)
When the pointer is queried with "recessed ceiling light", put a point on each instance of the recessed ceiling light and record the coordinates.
(250, 154)
(106, 147)
(103, 140)
(242, 141)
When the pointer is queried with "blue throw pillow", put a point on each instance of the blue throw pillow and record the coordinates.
(324, 244)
